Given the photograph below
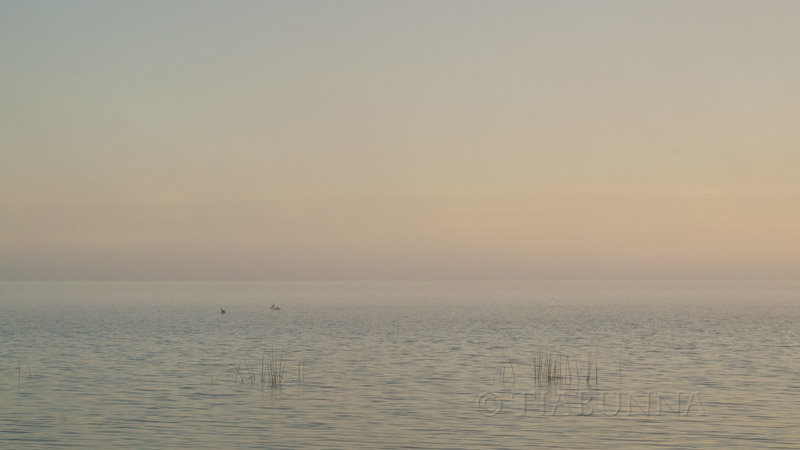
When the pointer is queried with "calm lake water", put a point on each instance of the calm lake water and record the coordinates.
(391, 364)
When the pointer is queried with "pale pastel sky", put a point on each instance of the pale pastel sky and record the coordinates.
(191, 140)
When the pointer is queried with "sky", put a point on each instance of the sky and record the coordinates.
(405, 140)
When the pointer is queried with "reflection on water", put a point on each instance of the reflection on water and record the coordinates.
(397, 364)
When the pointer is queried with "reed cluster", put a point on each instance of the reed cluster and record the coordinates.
(273, 375)
(553, 368)
(272, 371)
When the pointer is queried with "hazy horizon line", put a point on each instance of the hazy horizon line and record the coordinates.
(432, 280)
